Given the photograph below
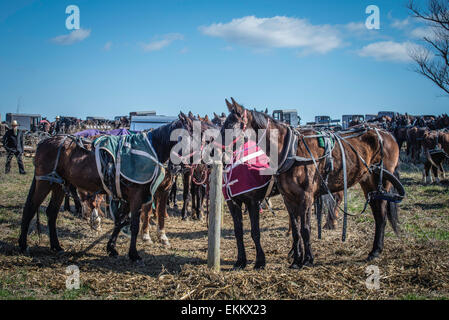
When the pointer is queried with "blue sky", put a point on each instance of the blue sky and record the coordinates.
(315, 56)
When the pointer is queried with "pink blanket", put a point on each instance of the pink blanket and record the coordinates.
(244, 174)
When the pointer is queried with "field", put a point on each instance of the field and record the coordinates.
(414, 265)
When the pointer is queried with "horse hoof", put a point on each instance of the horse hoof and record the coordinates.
(57, 250)
(259, 266)
(308, 264)
(134, 257)
(372, 256)
(112, 252)
(239, 265)
(147, 239)
(295, 265)
(165, 242)
(24, 250)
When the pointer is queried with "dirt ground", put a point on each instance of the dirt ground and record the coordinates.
(414, 265)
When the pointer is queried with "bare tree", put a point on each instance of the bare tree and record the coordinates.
(433, 61)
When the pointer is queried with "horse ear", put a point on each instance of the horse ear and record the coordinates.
(181, 116)
(216, 115)
(238, 108)
(230, 106)
(223, 115)
(206, 118)
(191, 116)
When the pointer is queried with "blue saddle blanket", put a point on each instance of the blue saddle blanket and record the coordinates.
(133, 157)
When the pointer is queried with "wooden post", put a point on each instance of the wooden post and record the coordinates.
(213, 253)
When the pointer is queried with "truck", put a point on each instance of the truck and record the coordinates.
(288, 116)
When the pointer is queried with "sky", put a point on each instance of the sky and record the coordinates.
(314, 56)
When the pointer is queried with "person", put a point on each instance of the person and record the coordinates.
(13, 144)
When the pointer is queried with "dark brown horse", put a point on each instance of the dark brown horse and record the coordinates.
(77, 166)
(436, 149)
(300, 182)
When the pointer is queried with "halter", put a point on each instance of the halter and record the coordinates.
(204, 179)
(242, 135)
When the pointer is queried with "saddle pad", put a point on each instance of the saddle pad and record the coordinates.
(244, 174)
(133, 155)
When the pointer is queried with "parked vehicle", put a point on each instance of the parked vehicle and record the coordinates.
(289, 116)
(325, 122)
(141, 123)
(27, 122)
(347, 119)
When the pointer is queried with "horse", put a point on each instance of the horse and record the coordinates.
(368, 155)
(77, 166)
(436, 149)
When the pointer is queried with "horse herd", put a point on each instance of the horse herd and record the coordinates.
(313, 166)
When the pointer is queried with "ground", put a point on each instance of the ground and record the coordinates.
(414, 265)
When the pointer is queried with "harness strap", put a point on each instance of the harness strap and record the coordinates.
(53, 176)
(345, 189)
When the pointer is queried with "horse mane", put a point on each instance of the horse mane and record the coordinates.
(261, 119)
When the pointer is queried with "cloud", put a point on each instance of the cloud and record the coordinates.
(389, 51)
(400, 24)
(107, 46)
(71, 38)
(164, 42)
(276, 32)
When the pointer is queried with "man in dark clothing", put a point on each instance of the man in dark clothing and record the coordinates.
(13, 144)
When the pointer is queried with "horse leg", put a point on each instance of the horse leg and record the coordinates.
(161, 207)
(236, 213)
(293, 211)
(95, 220)
(76, 199)
(52, 214)
(185, 195)
(255, 234)
(135, 206)
(194, 193)
(67, 203)
(435, 172)
(145, 219)
(426, 171)
(201, 192)
(306, 209)
(379, 210)
(38, 192)
(121, 220)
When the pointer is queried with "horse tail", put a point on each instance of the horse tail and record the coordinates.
(28, 204)
(392, 208)
(330, 206)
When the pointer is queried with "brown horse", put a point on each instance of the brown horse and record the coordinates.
(436, 149)
(300, 182)
(77, 166)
